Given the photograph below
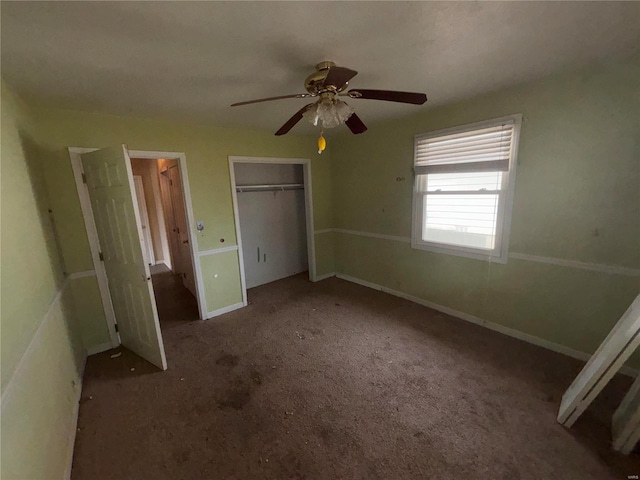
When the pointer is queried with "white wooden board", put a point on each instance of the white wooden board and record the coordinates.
(625, 428)
(614, 351)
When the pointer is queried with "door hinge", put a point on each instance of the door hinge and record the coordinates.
(101, 256)
(84, 177)
(116, 327)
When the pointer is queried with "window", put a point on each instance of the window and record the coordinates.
(464, 179)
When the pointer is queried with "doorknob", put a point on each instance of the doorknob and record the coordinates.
(185, 241)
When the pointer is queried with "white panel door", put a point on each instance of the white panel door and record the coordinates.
(169, 221)
(111, 189)
(181, 225)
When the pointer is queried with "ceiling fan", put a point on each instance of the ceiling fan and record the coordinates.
(328, 83)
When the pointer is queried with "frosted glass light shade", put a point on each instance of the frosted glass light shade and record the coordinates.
(329, 112)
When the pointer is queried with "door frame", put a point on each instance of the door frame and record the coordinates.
(193, 239)
(89, 222)
(308, 208)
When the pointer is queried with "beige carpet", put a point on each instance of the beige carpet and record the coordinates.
(337, 381)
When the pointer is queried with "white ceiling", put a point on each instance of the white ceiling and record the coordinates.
(192, 60)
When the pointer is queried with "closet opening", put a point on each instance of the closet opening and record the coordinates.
(166, 249)
(274, 218)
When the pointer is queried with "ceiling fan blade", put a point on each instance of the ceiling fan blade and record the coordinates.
(292, 121)
(338, 76)
(389, 96)
(355, 124)
(299, 95)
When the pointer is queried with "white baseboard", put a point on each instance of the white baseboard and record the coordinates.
(74, 424)
(325, 276)
(102, 347)
(555, 347)
(364, 283)
(223, 310)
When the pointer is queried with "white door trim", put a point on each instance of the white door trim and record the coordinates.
(193, 240)
(308, 205)
(94, 244)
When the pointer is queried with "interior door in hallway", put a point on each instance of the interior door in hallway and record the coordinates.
(111, 189)
(149, 257)
(181, 227)
(169, 222)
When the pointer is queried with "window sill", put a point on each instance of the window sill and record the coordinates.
(492, 257)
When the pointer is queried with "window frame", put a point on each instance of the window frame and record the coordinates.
(505, 197)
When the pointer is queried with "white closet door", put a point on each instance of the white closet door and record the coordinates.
(274, 240)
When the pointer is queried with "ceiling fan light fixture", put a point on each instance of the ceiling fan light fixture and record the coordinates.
(329, 112)
(327, 82)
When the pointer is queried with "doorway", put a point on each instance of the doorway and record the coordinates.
(165, 227)
(273, 209)
(114, 219)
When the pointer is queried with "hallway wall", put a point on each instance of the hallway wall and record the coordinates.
(148, 170)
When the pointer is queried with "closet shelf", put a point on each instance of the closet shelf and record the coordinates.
(268, 188)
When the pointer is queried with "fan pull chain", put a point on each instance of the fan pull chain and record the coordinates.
(322, 142)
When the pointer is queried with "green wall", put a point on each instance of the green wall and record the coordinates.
(41, 353)
(207, 149)
(576, 197)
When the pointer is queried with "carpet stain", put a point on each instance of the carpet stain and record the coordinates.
(228, 360)
(181, 455)
(325, 435)
(255, 377)
(236, 398)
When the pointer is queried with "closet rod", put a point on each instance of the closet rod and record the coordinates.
(268, 188)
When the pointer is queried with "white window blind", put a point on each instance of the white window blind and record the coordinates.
(462, 180)
(485, 149)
